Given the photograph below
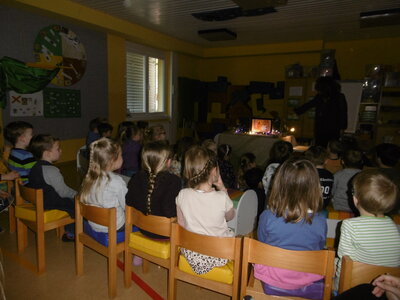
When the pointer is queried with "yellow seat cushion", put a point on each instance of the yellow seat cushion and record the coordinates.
(28, 212)
(221, 274)
(157, 248)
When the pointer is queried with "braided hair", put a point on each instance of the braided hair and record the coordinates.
(103, 152)
(154, 160)
(199, 162)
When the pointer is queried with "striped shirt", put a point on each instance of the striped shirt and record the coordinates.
(370, 240)
(22, 161)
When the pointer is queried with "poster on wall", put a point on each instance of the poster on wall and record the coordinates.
(62, 103)
(26, 105)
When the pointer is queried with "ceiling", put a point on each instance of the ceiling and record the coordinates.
(299, 20)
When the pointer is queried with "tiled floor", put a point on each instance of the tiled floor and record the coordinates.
(60, 280)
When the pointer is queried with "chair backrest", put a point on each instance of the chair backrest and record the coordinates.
(154, 224)
(223, 247)
(317, 262)
(82, 161)
(354, 273)
(246, 213)
(98, 215)
(24, 193)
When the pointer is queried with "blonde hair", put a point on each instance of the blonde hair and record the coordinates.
(375, 192)
(154, 160)
(295, 191)
(199, 162)
(103, 152)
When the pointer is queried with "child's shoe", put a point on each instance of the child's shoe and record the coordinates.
(68, 237)
(137, 261)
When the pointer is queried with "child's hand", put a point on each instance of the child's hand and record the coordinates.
(10, 175)
(388, 284)
(218, 182)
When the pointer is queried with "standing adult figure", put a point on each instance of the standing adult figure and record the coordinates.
(330, 111)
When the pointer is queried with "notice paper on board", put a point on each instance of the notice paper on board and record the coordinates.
(296, 91)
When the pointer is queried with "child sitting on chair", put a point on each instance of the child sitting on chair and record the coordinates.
(341, 196)
(44, 175)
(371, 238)
(291, 221)
(19, 134)
(101, 187)
(202, 209)
(153, 189)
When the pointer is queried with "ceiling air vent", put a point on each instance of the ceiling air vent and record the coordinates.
(215, 35)
(376, 18)
(256, 4)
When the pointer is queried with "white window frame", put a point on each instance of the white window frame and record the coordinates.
(156, 53)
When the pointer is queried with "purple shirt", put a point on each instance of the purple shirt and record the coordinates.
(130, 154)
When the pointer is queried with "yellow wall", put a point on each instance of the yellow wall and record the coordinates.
(239, 64)
(116, 79)
(353, 56)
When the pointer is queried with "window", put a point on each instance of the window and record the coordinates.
(145, 80)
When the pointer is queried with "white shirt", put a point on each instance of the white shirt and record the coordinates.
(204, 212)
(109, 193)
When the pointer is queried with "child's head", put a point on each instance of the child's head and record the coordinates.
(105, 156)
(123, 126)
(93, 124)
(374, 192)
(295, 191)
(253, 177)
(182, 145)
(335, 147)
(199, 164)
(224, 151)
(130, 132)
(155, 133)
(280, 152)
(45, 147)
(155, 157)
(247, 161)
(387, 154)
(317, 155)
(353, 159)
(18, 133)
(210, 145)
(105, 129)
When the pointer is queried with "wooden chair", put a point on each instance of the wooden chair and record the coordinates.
(155, 251)
(102, 216)
(11, 209)
(223, 247)
(29, 212)
(255, 252)
(354, 273)
(245, 219)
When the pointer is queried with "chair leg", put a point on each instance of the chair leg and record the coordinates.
(11, 218)
(127, 269)
(78, 256)
(60, 232)
(22, 236)
(41, 257)
(145, 266)
(171, 286)
(112, 276)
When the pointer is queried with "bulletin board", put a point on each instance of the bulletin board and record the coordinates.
(61, 103)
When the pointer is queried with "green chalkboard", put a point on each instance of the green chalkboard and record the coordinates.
(61, 103)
